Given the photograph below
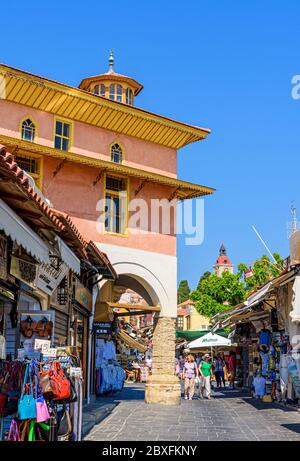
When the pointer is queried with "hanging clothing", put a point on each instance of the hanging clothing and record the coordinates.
(2, 347)
(265, 360)
(259, 384)
(109, 351)
(265, 337)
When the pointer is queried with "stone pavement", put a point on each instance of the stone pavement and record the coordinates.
(230, 415)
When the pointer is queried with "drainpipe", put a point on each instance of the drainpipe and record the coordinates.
(91, 321)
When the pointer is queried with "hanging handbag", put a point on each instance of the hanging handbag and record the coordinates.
(45, 383)
(3, 401)
(42, 413)
(64, 430)
(59, 381)
(24, 430)
(27, 404)
(73, 395)
(14, 434)
(14, 393)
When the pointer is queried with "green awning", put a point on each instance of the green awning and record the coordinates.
(190, 335)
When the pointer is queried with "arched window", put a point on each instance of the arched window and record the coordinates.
(115, 92)
(99, 89)
(28, 130)
(119, 93)
(129, 96)
(112, 92)
(116, 153)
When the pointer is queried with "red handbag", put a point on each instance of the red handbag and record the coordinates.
(58, 386)
(3, 400)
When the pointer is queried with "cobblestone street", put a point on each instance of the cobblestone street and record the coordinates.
(229, 416)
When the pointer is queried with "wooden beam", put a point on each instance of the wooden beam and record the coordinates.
(27, 213)
(173, 195)
(11, 196)
(135, 307)
(59, 167)
(128, 314)
(142, 184)
(99, 176)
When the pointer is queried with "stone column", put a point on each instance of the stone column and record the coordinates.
(163, 386)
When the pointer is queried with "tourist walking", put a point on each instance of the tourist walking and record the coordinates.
(232, 368)
(205, 370)
(181, 365)
(190, 372)
(218, 369)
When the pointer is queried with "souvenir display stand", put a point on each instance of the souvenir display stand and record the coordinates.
(41, 399)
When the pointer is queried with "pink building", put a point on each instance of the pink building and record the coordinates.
(91, 150)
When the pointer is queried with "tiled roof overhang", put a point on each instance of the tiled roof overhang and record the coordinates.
(16, 191)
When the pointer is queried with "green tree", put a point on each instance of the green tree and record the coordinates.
(183, 292)
(203, 277)
(214, 294)
(263, 270)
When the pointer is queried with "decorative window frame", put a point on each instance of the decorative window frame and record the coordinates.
(122, 148)
(105, 191)
(36, 129)
(69, 122)
(38, 178)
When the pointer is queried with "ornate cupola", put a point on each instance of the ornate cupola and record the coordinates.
(223, 263)
(113, 86)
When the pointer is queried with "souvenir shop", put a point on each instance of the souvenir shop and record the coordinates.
(109, 375)
(265, 331)
(40, 386)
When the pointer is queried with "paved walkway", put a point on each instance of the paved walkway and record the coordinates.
(230, 415)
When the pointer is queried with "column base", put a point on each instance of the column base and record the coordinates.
(165, 390)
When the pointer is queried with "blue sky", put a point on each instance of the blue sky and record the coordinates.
(223, 65)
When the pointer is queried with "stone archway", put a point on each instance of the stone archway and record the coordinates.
(156, 276)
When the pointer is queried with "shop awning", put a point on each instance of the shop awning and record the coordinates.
(210, 340)
(132, 343)
(14, 227)
(68, 257)
(259, 295)
(295, 313)
(190, 335)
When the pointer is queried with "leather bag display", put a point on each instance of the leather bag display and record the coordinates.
(27, 403)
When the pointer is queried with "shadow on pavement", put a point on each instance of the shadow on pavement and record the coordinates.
(292, 427)
(135, 391)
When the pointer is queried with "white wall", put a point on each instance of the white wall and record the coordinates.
(156, 272)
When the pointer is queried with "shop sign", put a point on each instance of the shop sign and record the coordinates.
(42, 345)
(3, 257)
(24, 270)
(50, 276)
(51, 353)
(102, 329)
(7, 294)
(82, 295)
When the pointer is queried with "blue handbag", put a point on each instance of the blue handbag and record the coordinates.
(27, 403)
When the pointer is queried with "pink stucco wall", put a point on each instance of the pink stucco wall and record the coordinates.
(91, 141)
(72, 191)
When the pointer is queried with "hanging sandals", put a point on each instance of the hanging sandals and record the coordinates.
(27, 327)
(43, 327)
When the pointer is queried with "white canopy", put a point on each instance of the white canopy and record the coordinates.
(68, 257)
(209, 340)
(14, 227)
